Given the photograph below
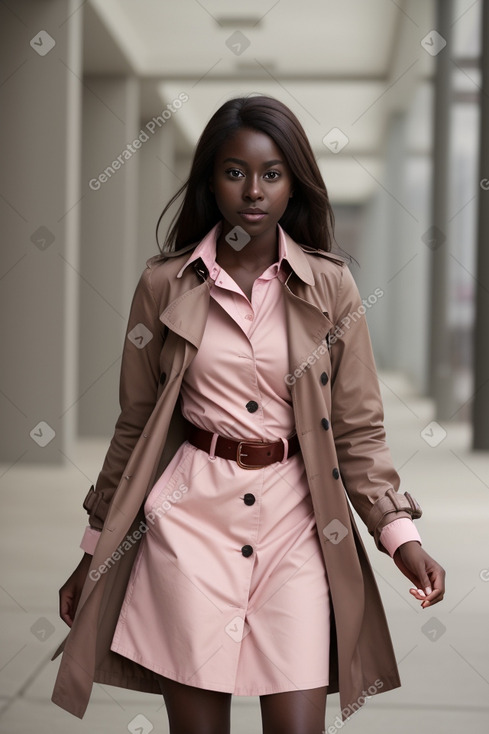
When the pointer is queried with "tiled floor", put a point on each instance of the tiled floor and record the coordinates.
(443, 653)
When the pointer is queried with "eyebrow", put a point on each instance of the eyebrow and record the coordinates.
(267, 164)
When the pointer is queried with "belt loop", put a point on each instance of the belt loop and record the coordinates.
(212, 449)
(286, 449)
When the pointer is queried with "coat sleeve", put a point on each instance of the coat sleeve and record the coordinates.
(357, 418)
(138, 389)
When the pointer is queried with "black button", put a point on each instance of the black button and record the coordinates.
(324, 378)
(247, 550)
(325, 423)
(336, 473)
(249, 499)
(252, 406)
(162, 378)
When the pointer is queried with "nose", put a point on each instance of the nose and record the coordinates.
(252, 190)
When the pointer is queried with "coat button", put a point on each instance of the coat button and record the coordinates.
(162, 378)
(252, 406)
(247, 550)
(249, 499)
(325, 423)
(324, 378)
(336, 473)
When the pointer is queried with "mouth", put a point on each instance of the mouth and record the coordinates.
(252, 215)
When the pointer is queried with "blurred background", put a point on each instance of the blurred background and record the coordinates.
(102, 104)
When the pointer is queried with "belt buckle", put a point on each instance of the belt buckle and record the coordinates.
(239, 454)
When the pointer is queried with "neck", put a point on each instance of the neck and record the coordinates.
(259, 252)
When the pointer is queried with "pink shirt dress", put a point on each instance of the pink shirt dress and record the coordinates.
(229, 590)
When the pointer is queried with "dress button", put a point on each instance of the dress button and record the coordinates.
(247, 550)
(325, 423)
(252, 406)
(324, 378)
(336, 473)
(249, 499)
(162, 378)
(249, 317)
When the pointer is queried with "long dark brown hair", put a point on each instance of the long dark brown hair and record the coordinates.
(308, 218)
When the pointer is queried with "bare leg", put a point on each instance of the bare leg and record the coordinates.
(195, 710)
(294, 712)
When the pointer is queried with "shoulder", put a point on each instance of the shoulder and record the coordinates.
(167, 260)
(321, 255)
(329, 268)
(159, 277)
(334, 285)
(162, 266)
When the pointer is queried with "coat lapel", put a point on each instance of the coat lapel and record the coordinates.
(187, 314)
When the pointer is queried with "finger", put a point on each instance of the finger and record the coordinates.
(424, 579)
(67, 619)
(437, 593)
(438, 578)
(66, 614)
(435, 597)
(66, 608)
(418, 594)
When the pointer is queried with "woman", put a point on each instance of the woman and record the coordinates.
(222, 556)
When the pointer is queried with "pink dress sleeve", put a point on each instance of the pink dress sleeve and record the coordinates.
(90, 540)
(398, 532)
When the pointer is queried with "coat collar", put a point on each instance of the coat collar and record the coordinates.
(186, 314)
(289, 251)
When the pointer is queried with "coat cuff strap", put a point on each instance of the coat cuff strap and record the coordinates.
(95, 504)
(392, 503)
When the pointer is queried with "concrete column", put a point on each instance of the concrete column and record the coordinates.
(40, 97)
(385, 260)
(481, 334)
(372, 272)
(108, 262)
(440, 383)
(397, 244)
(159, 181)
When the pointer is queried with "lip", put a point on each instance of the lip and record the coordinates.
(252, 215)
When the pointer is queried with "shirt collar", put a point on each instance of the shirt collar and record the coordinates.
(288, 250)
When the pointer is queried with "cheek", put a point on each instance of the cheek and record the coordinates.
(226, 193)
(283, 197)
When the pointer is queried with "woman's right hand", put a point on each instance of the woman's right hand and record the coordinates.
(70, 592)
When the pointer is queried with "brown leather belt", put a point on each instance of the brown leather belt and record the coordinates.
(247, 454)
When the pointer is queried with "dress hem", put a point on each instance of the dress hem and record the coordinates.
(214, 686)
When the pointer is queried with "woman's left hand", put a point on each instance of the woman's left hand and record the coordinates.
(427, 575)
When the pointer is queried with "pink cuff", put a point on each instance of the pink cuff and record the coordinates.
(90, 540)
(398, 532)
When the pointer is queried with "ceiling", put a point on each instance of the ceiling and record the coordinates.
(345, 65)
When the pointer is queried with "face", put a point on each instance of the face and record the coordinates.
(252, 183)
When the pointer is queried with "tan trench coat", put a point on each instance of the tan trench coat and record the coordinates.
(339, 422)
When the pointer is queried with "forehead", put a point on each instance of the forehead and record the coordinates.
(249, 144)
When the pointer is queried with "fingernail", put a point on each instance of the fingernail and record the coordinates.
(428, 590)
(420, 591)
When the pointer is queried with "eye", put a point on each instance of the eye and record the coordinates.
(272, 175)
(234, 172)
